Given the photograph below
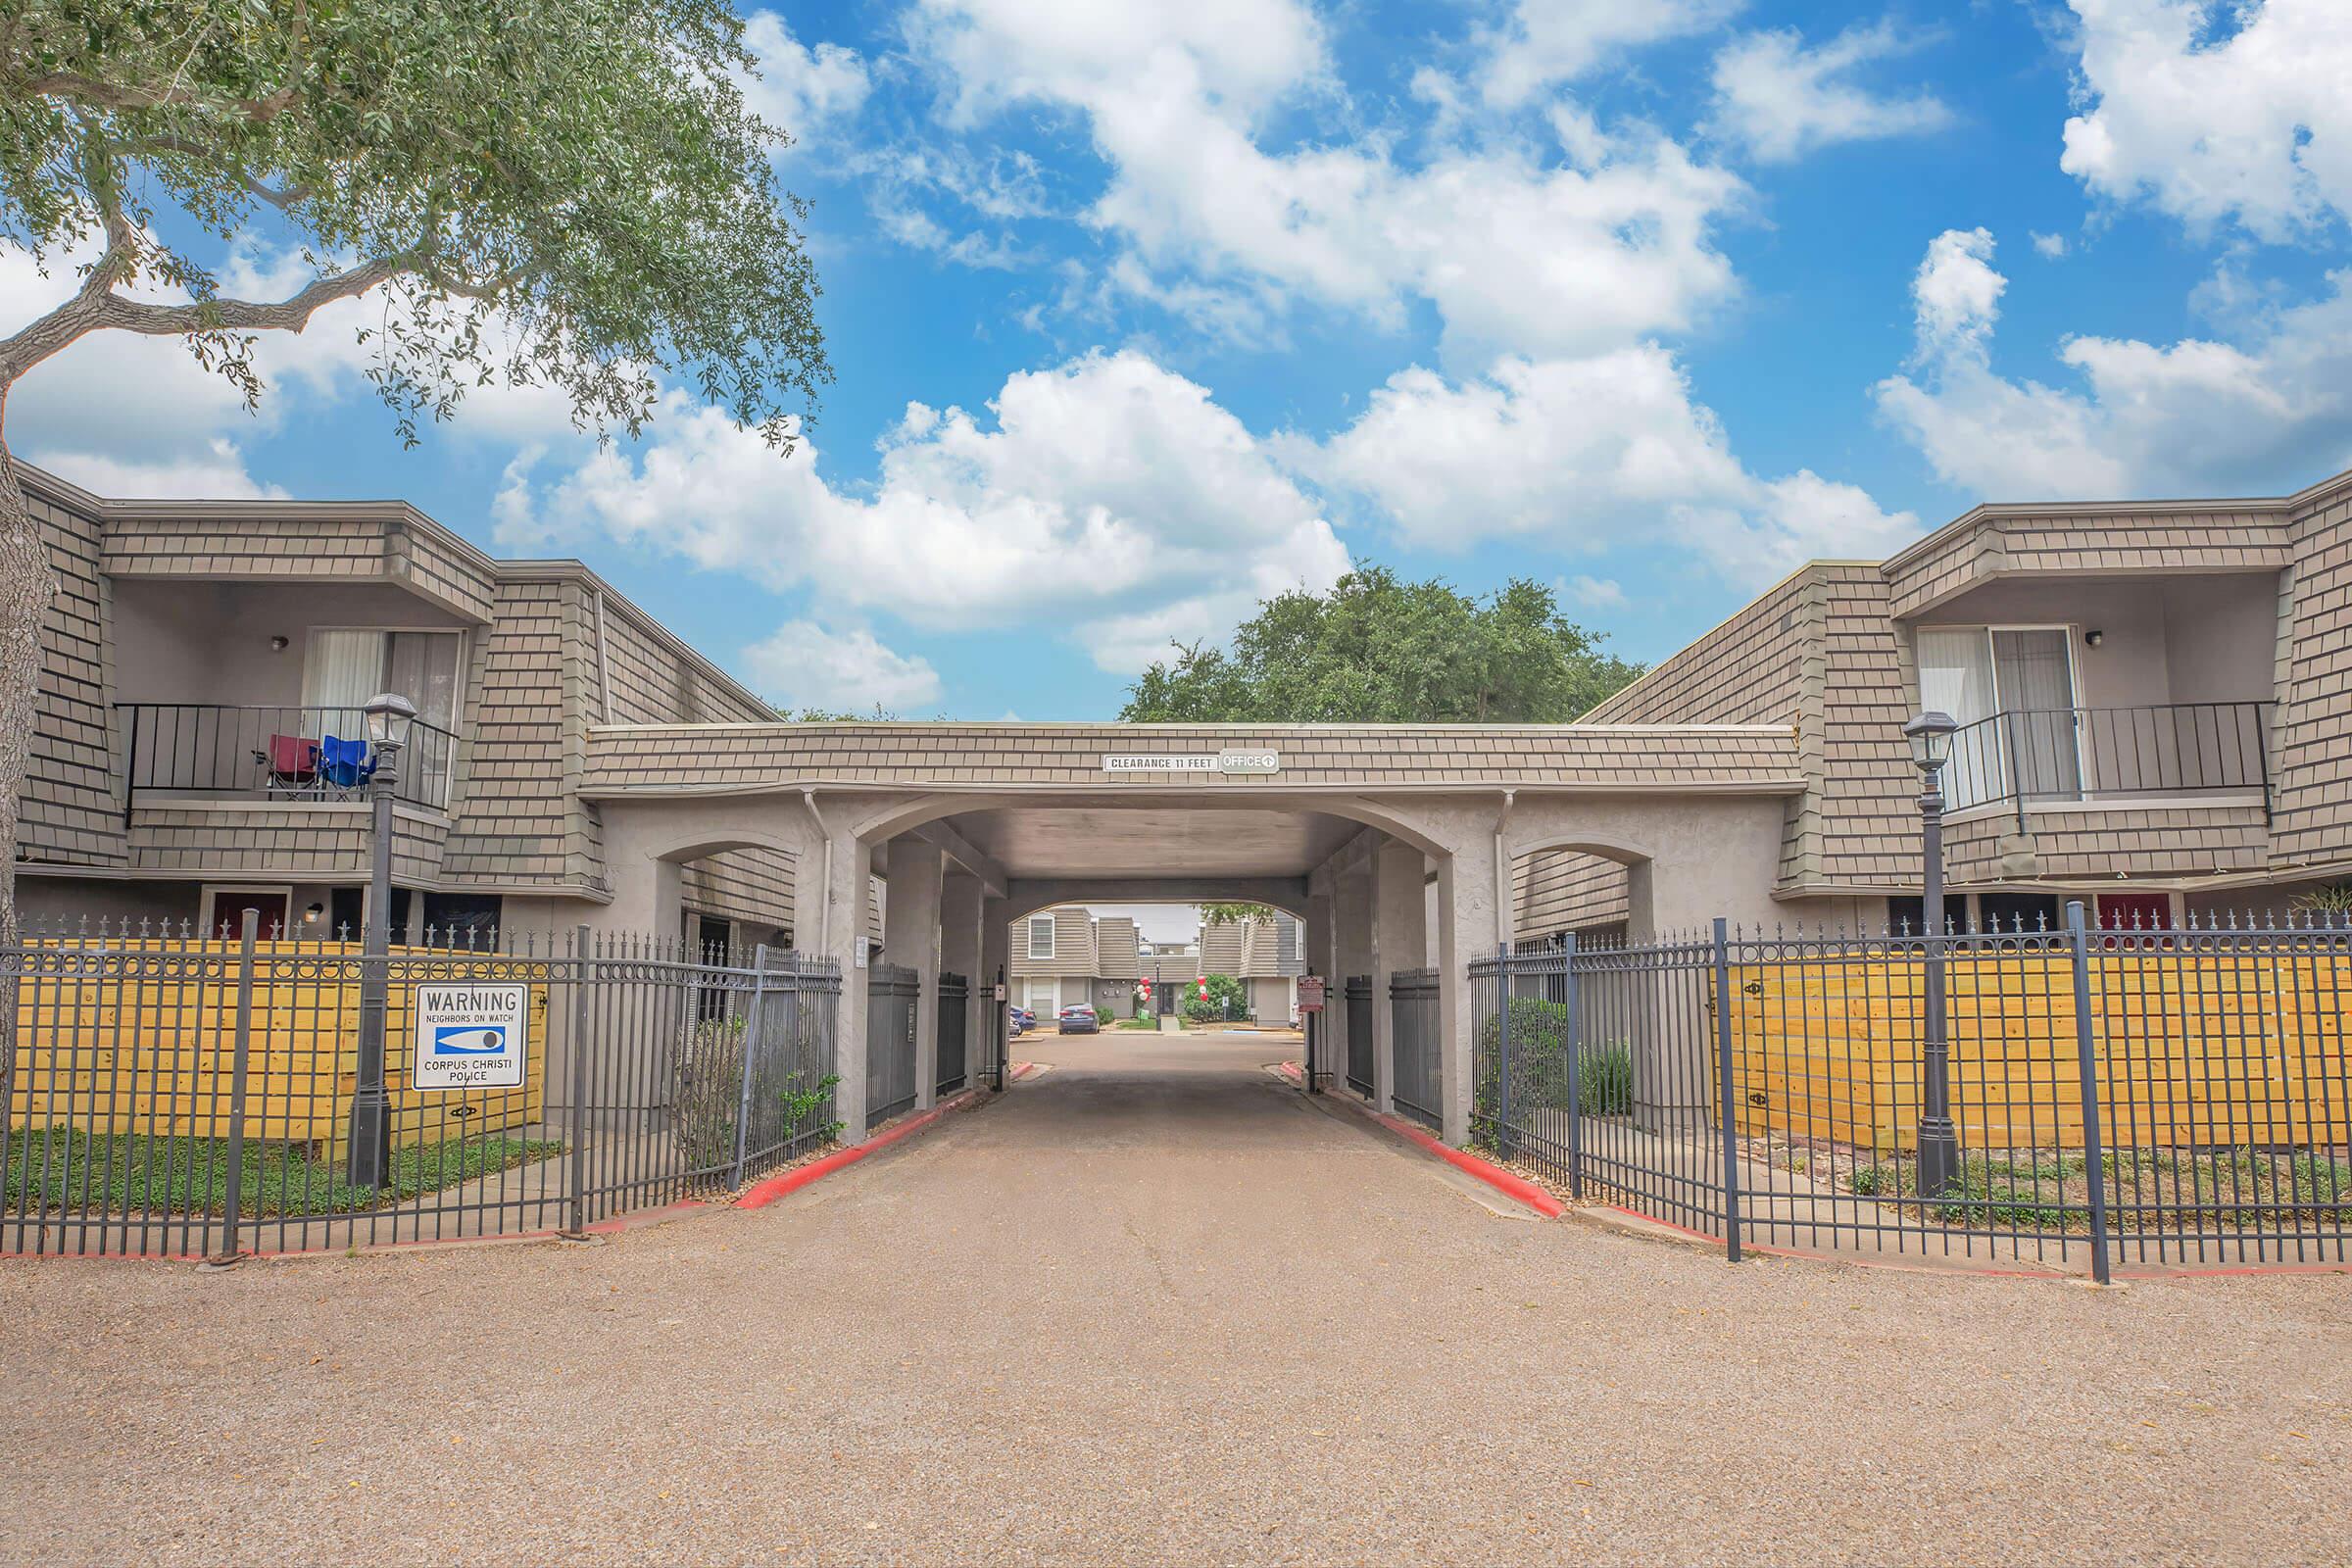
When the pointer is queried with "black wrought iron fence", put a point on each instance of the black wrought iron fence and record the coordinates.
(955, 1023)
(2155, 1097)
(1356, 1000)
(1414, 1022)
(890, 992)
(298, 755)
(178, 1094)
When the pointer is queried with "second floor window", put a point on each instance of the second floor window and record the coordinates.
(1041, 937)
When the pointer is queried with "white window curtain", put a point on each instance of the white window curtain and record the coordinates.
(1955, 676)
(342, 670)
(422, 666)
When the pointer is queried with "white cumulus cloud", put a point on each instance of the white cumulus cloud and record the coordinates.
(1782, 100)
(2197, 416)
(804, 665)
(799, 88)
(1593, 246)
(2216, 109)
(1541, 43)
(1107, 496)
(1580, 455)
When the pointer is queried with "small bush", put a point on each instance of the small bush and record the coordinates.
(1228, 1000)
(1541, 1031)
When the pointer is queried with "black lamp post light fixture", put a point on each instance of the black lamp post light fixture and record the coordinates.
(1930, 737)
(389, 716)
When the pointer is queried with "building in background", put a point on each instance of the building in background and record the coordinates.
(1065, 954)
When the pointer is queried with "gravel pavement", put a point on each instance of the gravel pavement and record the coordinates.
(1154, 1307)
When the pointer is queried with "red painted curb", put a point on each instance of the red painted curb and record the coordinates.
(1292, 1070)
(1494, 1176)
(761, 1194)
(1021, 1070)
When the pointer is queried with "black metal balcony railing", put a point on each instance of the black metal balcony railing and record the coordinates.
(204, 751)
(2032, 755)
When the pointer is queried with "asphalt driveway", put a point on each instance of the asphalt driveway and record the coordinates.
(1153, 1308)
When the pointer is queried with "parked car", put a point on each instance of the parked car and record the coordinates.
(1078, 1019)
(1023, 1020)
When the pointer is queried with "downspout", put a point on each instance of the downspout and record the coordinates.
(1502, 876)
(824, 908)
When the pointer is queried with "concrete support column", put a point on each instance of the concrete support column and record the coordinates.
(996, 941)
(960, 944)
(1468, 898)
(1351, 939)
(1399, 941)
(1317, 933)
(646, 901)
(911, 936)
(829, 888)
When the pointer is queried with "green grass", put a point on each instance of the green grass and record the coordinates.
(62, 1168)
(2038, 1190)
(1136, 1023)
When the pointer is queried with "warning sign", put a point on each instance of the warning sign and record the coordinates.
(1310, 993)
(470, 1036)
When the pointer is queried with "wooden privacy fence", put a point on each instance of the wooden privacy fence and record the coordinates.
(2197, 1045)
(139, 1037)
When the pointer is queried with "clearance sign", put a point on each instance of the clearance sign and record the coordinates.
(1237, 759)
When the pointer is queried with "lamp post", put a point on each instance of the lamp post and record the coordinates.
(389, 716)
(1930, 737)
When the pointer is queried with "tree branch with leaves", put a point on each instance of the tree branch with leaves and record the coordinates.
(562, 193)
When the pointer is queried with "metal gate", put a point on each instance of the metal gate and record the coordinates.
(891, 990)
(955, 1014)
(1413, 1001)
(1358, 999)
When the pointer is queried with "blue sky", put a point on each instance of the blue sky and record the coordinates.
(1143, 312)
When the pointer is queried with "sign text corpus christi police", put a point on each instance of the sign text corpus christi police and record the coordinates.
(470, 1037)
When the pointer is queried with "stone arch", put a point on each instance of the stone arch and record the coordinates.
(905, 815)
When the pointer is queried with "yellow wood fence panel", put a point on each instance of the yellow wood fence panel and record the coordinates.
(156, 1055)
(2193, 1048)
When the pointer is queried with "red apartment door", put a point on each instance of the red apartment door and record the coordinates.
(2136, 912)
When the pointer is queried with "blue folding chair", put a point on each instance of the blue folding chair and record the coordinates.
(345, 765)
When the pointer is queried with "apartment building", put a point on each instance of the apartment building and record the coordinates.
(201, 656)
(1066, 954)
(2154, 701)
(1267, 955)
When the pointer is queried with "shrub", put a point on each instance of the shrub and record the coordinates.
(1540, 1033)
(1228, 1000)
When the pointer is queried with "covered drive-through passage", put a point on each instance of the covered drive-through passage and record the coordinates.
(1392, 844)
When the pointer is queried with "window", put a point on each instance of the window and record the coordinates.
(1045, 997)
(347, 666)
(1041, 936)
(2021, 675)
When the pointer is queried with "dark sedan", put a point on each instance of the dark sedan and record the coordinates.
(1078, 1019)
(1022, 1020)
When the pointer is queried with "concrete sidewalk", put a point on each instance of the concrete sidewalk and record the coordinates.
(1156, 1307)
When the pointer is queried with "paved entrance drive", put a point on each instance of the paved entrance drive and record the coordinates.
(1154, 1307)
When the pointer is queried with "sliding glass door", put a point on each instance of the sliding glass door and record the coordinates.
(2011, 690)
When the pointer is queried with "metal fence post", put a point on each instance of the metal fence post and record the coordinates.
(1723, 1089)
(1575, 1050)
(233, 1217)
(2095, 1161)
(576, 1226)
(750, 1044)
(1503, 1050)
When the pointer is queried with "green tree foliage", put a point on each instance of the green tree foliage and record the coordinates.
(1379, 650)
(562, 193)
(1231, 913)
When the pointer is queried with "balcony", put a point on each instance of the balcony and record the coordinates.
(2168, 754)
(191, 753)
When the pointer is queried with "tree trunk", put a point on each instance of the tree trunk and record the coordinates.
(27, 585)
